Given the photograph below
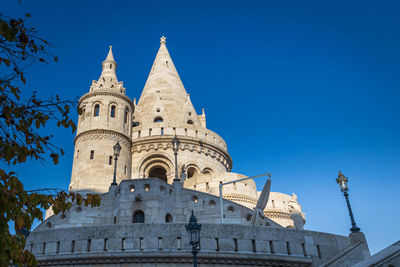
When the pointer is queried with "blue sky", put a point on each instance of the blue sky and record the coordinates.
(297, 88)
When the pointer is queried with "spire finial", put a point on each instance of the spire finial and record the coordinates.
(163, 40)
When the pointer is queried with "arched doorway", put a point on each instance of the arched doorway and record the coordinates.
(138, 217)
(158, 172)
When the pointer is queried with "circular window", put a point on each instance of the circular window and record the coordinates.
(132, 188)
(195, 199)
(231, 209)
(211, 203)
(147, 187)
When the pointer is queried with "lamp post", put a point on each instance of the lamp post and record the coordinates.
(117, 150)
(175, 147)
(193, 229)
(342, 181)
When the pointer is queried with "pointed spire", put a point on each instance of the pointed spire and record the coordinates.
(164, 78)
(108, 78)
(110, 56)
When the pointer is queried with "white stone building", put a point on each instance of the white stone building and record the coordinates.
(141, 220)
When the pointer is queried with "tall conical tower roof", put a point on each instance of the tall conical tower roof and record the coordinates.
(164, 94)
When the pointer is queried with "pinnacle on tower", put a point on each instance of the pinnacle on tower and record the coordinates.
(108, 78)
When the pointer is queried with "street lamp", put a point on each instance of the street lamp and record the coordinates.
(342, 181)
(117, 150)
(175, 147)
(193, 229)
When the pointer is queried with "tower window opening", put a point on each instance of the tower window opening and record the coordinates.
(83, 114)
(158, 172)
(168, 218)
(112, 114)
(191, 172)
(216, 244)
(138, 217)
(110, 66)
(91, 154)
(96, 112)
(123, 244)
(235, 241)
(190, 113)
(190, 122)
(57, 248)
(110, 160)
(162, 131)
(89, 242)
(179, 243)
(158, 119)
(73, 246)
(105, 244)
(141, 243)
(125, 169)
(126, 116)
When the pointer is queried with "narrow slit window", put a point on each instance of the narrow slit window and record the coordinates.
(271, 247)
(112, 113)
(72, 246)
(288, 248)
(235, 241)
(160, 243)
(44, 248)
(91, 154)
(216, 244)
(253, 245)
(126, 116)
(96, 111)
(89, 244)
(162, 131)
(141, 243)
(178, 243)
(57, 248)
(125, 170)
(105, 244)
(123, 244)
(110, 160)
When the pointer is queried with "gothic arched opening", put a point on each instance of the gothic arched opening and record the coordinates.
(158, 172)
(138, 217)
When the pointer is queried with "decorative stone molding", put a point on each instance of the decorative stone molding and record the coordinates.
(155, 143)
(107, 93)
(99, 134)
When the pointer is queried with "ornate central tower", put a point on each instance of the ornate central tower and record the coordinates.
(163, 111)
(106, 118)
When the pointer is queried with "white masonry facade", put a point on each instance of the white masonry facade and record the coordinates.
(140, 221)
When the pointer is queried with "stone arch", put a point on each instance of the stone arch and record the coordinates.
(154, 162)
(168, 218)
(192, 170)
(138, 217)
(207, 170)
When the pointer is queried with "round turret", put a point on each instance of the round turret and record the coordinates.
(105, 119)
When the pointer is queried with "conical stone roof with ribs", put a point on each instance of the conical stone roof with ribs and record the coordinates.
(164, 95)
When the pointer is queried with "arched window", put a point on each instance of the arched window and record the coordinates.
(207, 171)
(158, 119)
(168, 218)
(126, 115)
(96, 110)
(191, 172)
(158, 172)
(190, 122)
(112, 113)
(138, 217)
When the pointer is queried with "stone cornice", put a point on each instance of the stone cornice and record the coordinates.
(96, 93)
(102, 132)
(169, 257)
(195, 144)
